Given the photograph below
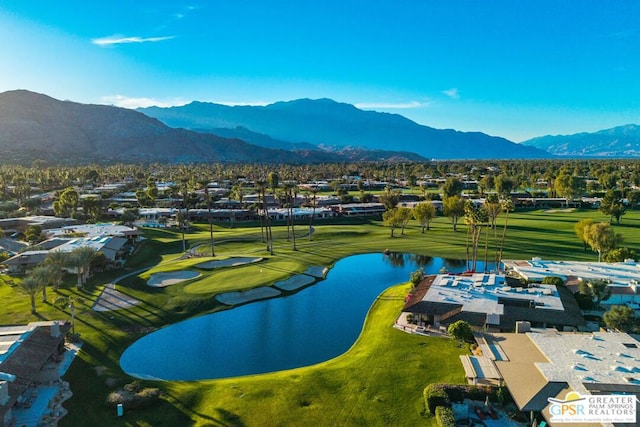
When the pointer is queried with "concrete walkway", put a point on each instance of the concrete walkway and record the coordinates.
(111, 299)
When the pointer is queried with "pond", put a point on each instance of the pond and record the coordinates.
(314, 325)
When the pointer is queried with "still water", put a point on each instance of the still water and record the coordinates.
(311, 326)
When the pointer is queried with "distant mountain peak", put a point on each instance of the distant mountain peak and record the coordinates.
(33, 124)
(619, 141)
(326, 122)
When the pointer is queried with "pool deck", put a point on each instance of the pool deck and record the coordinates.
(45, 407)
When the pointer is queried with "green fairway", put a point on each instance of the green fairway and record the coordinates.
(245, 277)
(378, 382)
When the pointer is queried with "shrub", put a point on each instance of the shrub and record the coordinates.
(434, 396)
(444, 416)
(459, 392)
(133, 396)
(133, 387)
(416, 277)
(461, 330)
(552, 280)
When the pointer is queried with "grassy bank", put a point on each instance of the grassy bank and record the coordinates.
(378, 382)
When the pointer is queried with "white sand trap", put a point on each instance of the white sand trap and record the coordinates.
(230, 262)
(110, 299)
(295, 282)
(317, 271)
(233, 298)
(560, 210)
(160, 280)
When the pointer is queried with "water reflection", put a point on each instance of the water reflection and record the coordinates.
(316, 324)
(421, 260)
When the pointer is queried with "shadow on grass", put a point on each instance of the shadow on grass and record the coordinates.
(223, 418)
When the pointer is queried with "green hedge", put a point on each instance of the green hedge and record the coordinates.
(435, 396)
(444, 416)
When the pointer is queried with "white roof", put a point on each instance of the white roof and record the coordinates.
(480, 293)
(599, 357)
(11, 336)
(620, 273)
(92, 230)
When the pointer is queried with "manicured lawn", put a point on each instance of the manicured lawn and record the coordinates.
(245, 277)
(378, 382)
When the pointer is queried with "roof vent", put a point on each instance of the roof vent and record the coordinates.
(55, 329)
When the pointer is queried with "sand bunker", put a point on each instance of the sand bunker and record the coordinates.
(234, 298)
(110, 299)
(295, 282)
(560, 210)
(230, 262)
(317, 271)
(160, 280)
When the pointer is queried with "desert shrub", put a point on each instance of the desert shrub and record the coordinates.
(133, 396)
(444, 416)
(133, 387)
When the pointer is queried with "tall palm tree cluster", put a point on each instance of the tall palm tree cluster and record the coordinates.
(51, 272)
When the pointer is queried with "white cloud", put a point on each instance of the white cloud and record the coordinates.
(142, 102)
(452, 93)
(114, 40)
(131, 102)
(385, 105)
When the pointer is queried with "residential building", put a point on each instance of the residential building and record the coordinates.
(487, 302)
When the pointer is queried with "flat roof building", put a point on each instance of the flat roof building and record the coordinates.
(486, 302)
(623, 277)
(29, 356)
(545, 363)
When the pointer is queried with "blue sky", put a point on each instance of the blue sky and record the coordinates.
(514, 68)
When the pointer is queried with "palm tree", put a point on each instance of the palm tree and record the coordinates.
(31, 286)
(80, 260)
(507, 206)
(314, 192)
(261, 186)
(184, 180)
(57, 260)
(181, 219)
(475, 218)
(42, 274)
(291, 193)
(206, 194)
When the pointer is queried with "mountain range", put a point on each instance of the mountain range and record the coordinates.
(36, 126)
(303, 131)
(331, 125)
(621, 141)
